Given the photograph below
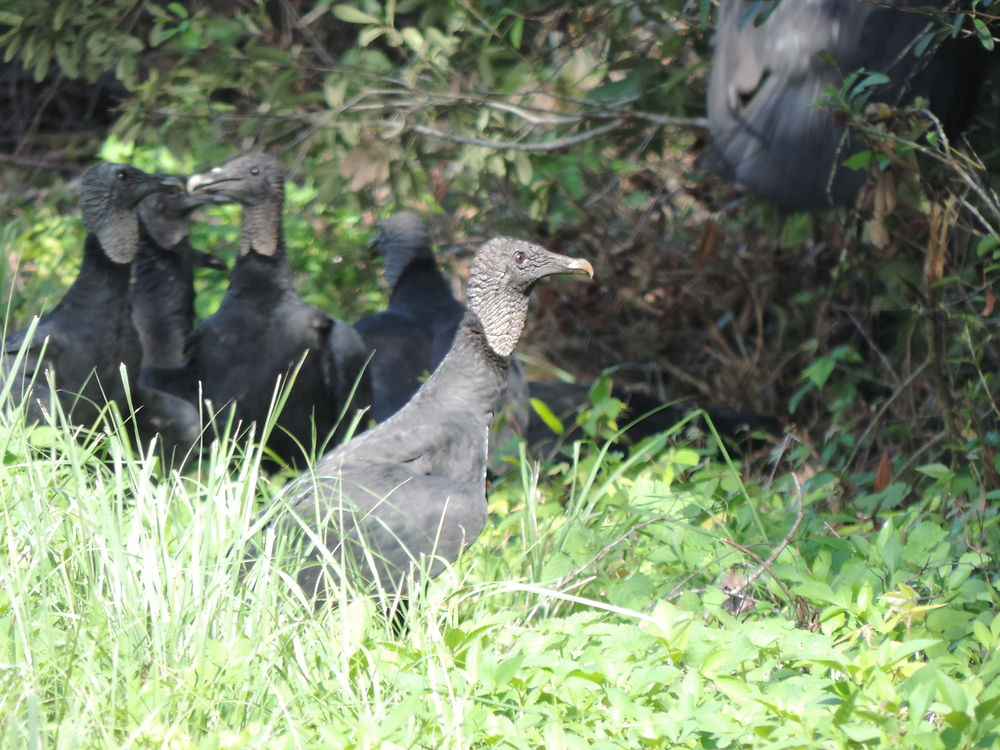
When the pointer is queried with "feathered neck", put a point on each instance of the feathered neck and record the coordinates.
(419, 282)
(472, 377)
(404, 256)
(100, 280)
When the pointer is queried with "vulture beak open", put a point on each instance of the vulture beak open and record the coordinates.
(191, 201)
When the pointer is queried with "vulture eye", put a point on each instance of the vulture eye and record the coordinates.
(122, 174)
(255, 171)
(519, 258)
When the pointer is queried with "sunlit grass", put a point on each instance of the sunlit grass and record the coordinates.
(586, 614)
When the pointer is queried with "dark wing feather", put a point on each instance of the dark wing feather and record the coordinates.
(400, 362)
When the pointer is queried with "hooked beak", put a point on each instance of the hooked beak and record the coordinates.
(580, 266)
(155, 183)
(563, 264)
(203, 182)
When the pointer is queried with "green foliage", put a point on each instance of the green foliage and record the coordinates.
(81, 38)
(378, 93)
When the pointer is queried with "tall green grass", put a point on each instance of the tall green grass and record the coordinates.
(589, 613)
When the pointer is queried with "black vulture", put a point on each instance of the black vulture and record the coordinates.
(163, 313)
(89, 334)
(413, 487)
(765, 79)
(412, 337)
(263, 329)
(163, 277)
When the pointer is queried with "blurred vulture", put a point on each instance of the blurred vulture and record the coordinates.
(163, 277)
(412, 336)
(163, 313)
(765, 79)
(650, 416)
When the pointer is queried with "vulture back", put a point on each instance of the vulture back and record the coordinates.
(764, 81)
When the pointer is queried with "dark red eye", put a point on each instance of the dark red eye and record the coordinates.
(122, 174)
(519, 257)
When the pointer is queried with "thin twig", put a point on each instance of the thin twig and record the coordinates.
(882, 409)
(553, 145)
(565, 580)
(311, 37)
(765, 565)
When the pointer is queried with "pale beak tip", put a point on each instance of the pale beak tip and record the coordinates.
(194, 182)
(583, 267)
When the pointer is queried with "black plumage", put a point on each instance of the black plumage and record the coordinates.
(163, 313)
(413, 487)
(412, 336)
(89, 335)
(766, 78)
(163, 277)
(263, 329)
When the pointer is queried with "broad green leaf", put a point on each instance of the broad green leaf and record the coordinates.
(936, 470)
(350, 14)
(984, 33)
(685, 457)
(516, 33)
(908, 648)
(413, 38)
(860, 160)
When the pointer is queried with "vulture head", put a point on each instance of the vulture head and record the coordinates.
(250, 180)
(257, 182)
(503, 273)
(109, 196)
(167, 216)
(401, 239)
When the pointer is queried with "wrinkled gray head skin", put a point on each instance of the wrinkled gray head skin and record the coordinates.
(167, 216)
(257, 182)
(250, 180)
(109, 197)
(502, 275)
(401, 239)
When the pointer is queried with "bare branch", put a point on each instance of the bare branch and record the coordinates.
(553, 145)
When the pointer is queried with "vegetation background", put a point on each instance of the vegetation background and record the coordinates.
(837, 589)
